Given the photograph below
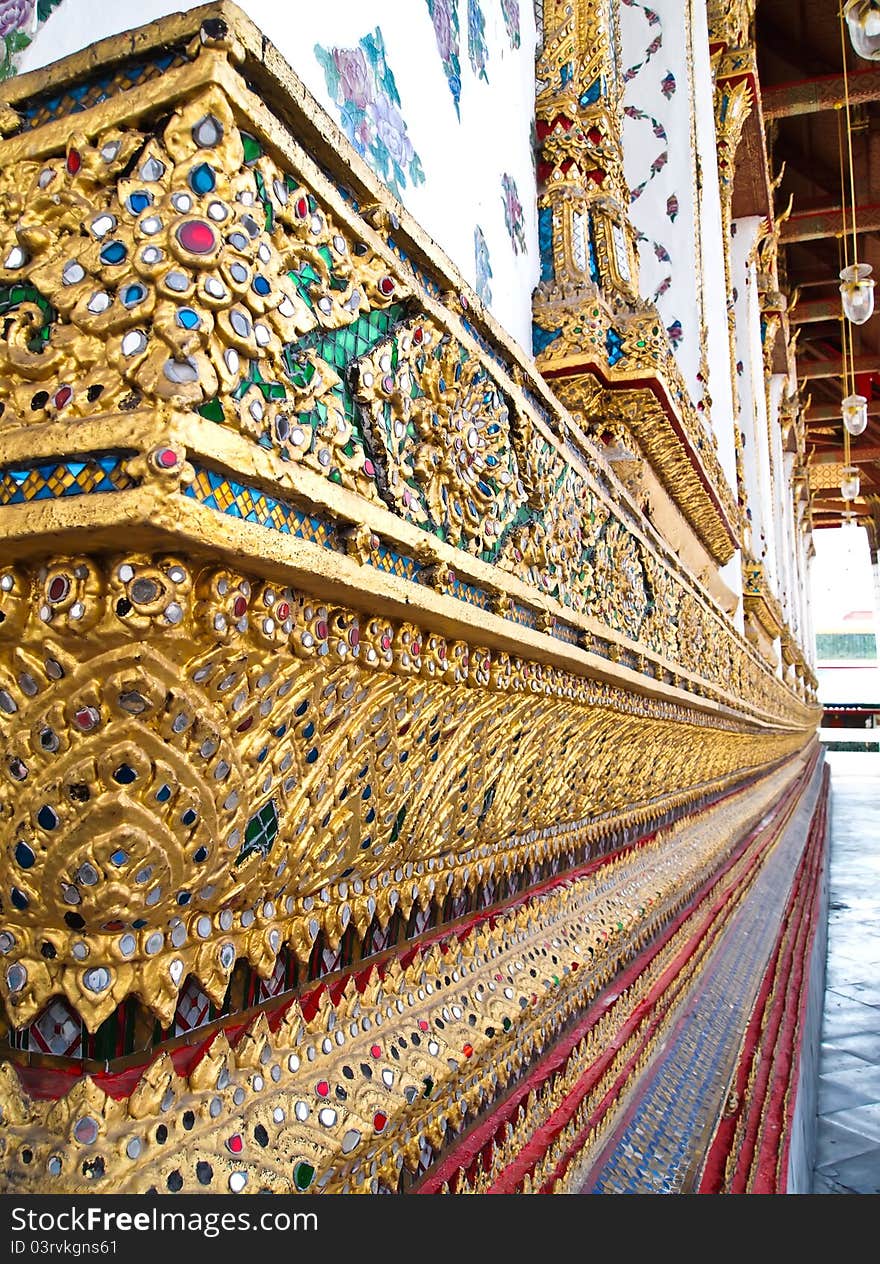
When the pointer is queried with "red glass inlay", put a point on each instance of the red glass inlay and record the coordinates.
(197, 237)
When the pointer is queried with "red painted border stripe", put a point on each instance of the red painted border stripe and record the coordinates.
(471, 1146)
(764, 1026)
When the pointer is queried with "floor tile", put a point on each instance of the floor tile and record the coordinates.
(864, 1045)
(859, 1174)
(848, 1090)
(836, 1144)
(823, 1184)
(850, 1022)
(865, 1078)
(863, 1120)
(867, 992)
(833, 1059)
(835, 1096)
(843, 970)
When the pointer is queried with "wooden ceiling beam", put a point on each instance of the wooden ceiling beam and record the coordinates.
(831, 412)
(809, 311)
(833, 367)
(858, 456)
(812, 225)
(825, 92)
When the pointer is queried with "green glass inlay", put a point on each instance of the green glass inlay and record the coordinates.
(260, 832)
(302, 374)
(252, 147)
(266, 202)
(398, 823)
(303, 1175)
(212, 410)
(340, 347)
(12, 296)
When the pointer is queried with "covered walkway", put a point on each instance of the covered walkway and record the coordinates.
(848, 1151)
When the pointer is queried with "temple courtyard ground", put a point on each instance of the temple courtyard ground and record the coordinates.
(848, 1149)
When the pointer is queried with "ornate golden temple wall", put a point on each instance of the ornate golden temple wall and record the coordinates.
(319, 611)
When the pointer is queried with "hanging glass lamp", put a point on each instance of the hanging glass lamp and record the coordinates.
(857, 292)
(854, 410)
(849, 483)
(863, 23)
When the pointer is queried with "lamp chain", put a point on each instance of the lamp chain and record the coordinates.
(852, 186)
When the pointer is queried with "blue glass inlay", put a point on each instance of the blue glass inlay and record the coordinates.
(132, 295)
(202, 179)
(188, 318)
(592, 94)
(264, 509)
(541, 338)
(473, 596)
(90, 92)
(114, 252)
(592, 260)
(545, 242)
(24, 856)
(522, 614)
(613, 347)
(45, 481)
(46, 818)
(138, 202)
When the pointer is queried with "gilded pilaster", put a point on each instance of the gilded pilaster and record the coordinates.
(592, 331)
(733, 104)
(586, 239)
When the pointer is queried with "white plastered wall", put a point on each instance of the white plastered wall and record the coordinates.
(463, 161)
(676, 205)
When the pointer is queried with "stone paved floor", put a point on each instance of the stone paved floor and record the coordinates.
(848, 1148)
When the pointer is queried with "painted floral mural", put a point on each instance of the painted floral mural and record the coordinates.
(478, 50)
(483, 266)
(658, 148)
(19, 20)
(444, 15)
(510, 13)
(662, 156)
(362, 84)
(513, 214)
(653, 19)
